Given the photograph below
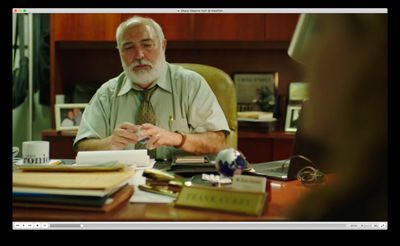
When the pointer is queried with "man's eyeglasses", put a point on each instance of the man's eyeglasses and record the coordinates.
(309, 174)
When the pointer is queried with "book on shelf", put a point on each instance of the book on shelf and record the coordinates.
(256, 116)
(264, 127)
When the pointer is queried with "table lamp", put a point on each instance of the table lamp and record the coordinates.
(301, 38)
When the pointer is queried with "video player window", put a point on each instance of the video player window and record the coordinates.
(158, 84)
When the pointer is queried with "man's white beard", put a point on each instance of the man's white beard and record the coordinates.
(144, 77)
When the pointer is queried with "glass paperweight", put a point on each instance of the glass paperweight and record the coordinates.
(230, 162)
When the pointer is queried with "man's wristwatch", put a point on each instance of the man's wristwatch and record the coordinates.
(183, 139)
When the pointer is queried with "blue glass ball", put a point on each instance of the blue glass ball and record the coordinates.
(229, 162)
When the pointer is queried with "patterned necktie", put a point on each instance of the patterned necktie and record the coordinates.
(146, 114)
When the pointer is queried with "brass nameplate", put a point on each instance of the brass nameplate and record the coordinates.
(224, 199)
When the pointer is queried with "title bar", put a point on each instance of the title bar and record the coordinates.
(200, 10)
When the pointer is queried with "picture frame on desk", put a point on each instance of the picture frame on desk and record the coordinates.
(298, 92)
(256, 91)
(69, 115)
(292, 118)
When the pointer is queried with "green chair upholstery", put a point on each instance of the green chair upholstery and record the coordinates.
(224, 89)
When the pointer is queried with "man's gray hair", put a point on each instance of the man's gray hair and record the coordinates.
(138, 20)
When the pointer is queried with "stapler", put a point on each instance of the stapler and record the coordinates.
(162, 182)
(157, 174)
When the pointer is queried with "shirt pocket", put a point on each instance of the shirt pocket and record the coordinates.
(180, 125)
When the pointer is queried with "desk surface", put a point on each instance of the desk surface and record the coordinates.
(283, 196)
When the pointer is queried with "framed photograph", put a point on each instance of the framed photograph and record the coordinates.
(68, 116)
(256, 89)
(292, 118)
(298, 92)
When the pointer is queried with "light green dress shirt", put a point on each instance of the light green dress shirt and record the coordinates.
(181, 93)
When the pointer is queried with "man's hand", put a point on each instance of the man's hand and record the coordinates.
(196, 143)
(123, 135)
(160, 137)
(126, 133)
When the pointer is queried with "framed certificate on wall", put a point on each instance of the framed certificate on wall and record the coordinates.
(256, 89)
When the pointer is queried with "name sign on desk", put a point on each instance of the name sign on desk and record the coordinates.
(249, 183)
(251, 203)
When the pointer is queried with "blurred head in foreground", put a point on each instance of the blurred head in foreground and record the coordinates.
(345, 62)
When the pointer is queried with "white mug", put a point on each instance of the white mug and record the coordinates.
(35, 152)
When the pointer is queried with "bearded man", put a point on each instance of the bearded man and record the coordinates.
(172, 108)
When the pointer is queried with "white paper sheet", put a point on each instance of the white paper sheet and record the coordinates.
(138, 157)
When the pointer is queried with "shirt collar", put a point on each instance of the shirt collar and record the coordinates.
(163, 82)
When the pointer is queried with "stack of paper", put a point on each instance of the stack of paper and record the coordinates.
(100, 191)
(140, 158)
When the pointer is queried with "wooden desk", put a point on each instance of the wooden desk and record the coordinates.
(284, 195)
(256, 146)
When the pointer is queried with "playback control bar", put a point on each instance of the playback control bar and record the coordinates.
(29, 225)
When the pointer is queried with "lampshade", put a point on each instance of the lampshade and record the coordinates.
(300, 40)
